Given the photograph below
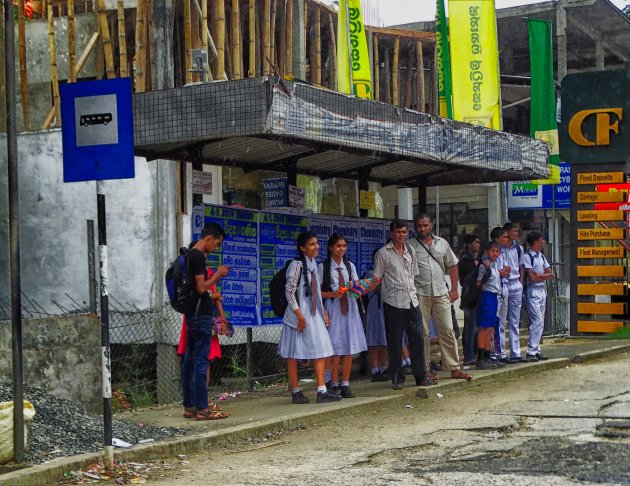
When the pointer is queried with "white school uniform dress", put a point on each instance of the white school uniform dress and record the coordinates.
(313, 342)
(536, 299)
(346, 331)
(375, 321)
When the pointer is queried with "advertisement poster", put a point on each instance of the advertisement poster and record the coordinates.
(525, 195)
(277, 239)
(373, 235)
(349, 229)
(240, 252)
(322, 227)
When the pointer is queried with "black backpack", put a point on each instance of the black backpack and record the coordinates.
(277, 286)
(179, 286)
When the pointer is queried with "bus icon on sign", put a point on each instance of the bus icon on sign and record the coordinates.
(95, 119)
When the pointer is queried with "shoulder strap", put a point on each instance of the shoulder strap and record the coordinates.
(430, 254)
(531, 259)
(348, 267)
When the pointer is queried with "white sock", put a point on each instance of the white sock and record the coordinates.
(321, 389)
(408, 361)
(345, 383)
(403, 363)
(334, 383)
(374, 370)
(382, 369)
(295, 390)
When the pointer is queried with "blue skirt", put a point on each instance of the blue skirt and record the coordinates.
(487, 310)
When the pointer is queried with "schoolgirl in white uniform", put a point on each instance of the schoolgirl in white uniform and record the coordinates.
(304, 334)
(346, 328)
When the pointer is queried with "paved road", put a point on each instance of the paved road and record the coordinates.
(567, 426)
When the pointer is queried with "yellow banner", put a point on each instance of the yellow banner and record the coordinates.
(353, 61)
(475, 62)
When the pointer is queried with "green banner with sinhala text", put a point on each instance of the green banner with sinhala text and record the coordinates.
(543, 123)
(443, 58)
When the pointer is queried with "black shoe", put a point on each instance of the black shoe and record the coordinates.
(335, 390)
(485, 365)
(379, 376)
(541, 357)
(499, 363)
(518, 360)
(327, 397)
(299, 398)
(397, 380)
(407, 370)
(346, 392)
(531, 358)
(397, 385)
(328, 385)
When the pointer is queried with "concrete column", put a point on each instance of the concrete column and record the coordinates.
(599, 55)
(495, 211)
(405, 203)
(561, 37)
(299, 40)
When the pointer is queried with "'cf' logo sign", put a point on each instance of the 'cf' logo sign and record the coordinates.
(603, 126)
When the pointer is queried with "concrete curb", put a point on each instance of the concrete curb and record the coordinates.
(53, 471)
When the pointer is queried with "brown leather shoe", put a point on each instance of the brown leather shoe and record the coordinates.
(460, 375)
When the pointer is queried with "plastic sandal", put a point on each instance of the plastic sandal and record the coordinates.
(210, 415)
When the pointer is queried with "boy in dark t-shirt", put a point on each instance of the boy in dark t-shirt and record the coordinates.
(199, 320)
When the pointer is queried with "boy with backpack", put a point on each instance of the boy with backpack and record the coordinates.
(538, 271)
(198, 312)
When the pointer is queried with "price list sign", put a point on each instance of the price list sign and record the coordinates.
(277, 237)
(240, 251)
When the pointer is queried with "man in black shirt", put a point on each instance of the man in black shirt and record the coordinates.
(199, 319)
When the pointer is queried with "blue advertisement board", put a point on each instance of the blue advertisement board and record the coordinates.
(525, 195)
(240, 251)
(277, 237)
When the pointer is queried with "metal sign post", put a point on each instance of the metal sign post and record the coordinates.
(14, 237)
(97, 139)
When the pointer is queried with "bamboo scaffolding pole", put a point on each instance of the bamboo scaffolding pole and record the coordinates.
(80, 63)
(54, 78)
(195, 39)
(72, 48)
(236, 47)
(333, 54)
(213, 48)
(140, 59)
(377, 71)
(251, 70)
(409, 94)
(395, 67)
(281, 37)
(289, 32)
(122, 40)
(151, 47)
(3, 86)
(228, 58)
(205, 35)
(387, 79)
(218, 18)
(259, 43)
(317, 48)
(26, 106)
(266, 37)
(107, 42)
(188, 42)
(422, 100)
(272, 34)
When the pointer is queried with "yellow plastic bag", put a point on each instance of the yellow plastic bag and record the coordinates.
(6, 428)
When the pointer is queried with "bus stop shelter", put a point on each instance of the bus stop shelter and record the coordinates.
(271, 124)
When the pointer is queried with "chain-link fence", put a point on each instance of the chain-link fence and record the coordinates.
(557, 312)
(144, 351)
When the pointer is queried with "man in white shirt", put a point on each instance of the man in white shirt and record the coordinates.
(394, 268)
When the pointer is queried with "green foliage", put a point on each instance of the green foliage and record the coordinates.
(623, 333)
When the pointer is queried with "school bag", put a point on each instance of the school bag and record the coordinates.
(277, 286)
(179, 285)
(531, 262)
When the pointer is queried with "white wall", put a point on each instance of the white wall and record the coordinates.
(53, 239)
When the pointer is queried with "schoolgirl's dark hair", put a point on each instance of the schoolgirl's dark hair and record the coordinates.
(302, 239)
(326, 277)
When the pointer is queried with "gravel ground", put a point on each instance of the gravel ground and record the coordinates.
(63, 428)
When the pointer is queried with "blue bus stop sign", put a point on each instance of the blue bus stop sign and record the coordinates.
(97, 130)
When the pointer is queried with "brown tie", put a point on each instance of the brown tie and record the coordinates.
(313, 293)
(343, 302)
